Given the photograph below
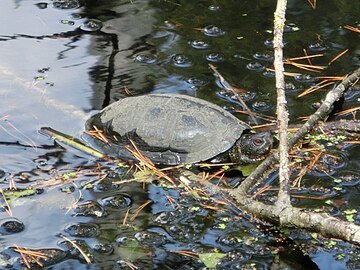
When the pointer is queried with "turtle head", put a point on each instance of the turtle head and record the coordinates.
(251, 148)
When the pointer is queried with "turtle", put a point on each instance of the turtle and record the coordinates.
(172, 129)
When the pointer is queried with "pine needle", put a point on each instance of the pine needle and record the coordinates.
(312, 3)
(147, 162)
(86, 257)
(352, 28)
(348, 111)
(97, 133)
(338, 56)
(185, 253)
(316, 87)
(138, 210)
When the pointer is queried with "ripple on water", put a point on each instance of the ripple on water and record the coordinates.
(82, 230)
(269, 43)
(181, 60)
(145, 58)
(118, 201)
(196, 81)
(317, 47)
(215, 57)
(213, 31)
(214, 8)
(104, 248)
(89, 209)
(349, 179)
(255, 66)
(10, 226)
(261, 106)
(199, 44)
(268, 73)
(306, 78)
(269, 57)
(67, 22)
(66, 4)
(91, 25)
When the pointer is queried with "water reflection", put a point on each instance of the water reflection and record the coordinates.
(60, 61)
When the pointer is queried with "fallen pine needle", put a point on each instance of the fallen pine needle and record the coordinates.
(304, 57)
(315, 88)
(338, 56)
(126, 217)
(86, 257)
(8, 209)
(185, 253)
(138, 210)
(352, 28)
(348, 111)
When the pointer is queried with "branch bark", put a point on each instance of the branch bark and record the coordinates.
(283, 199)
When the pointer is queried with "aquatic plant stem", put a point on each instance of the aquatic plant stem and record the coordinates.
(283, 199)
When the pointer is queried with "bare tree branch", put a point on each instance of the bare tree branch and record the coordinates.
(283, 199)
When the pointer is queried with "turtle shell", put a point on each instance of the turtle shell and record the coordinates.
(168, 128)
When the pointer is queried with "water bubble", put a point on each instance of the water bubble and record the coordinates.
(91, 25)
(255, 66)
(349, 179)
(66, 4)
(199, 44)
(68, 22)
(264, 56)
(196, 81)
(213, 31)
(89, 209)
(269, 43)
(181, 60)
(260, 106)
(104, 248)
(169, 25)
(306, 78)
(121, 240)
(268, 73)
(215, 57)
(118, 201)
(146, 58)
(214, 8)
(10, 226)
(43, 164)
(82, 229)
(317, 47)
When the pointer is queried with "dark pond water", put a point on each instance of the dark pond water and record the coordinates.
(63, 60)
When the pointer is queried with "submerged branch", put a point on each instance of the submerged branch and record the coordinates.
(291, 217)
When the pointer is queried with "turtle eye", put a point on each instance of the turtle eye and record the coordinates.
(258, 142)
